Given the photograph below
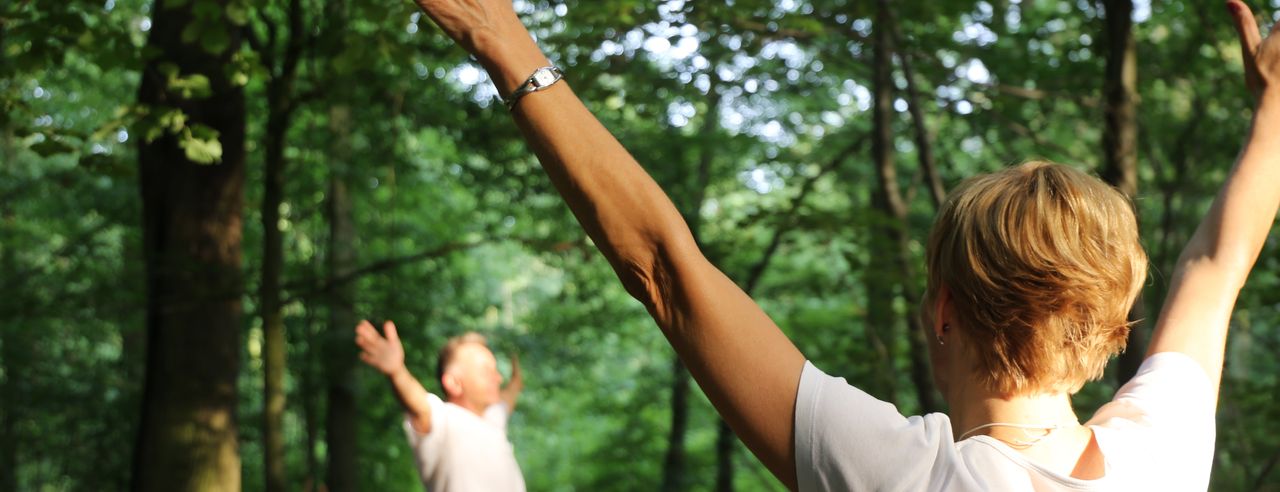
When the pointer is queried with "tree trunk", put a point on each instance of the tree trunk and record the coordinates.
(725, 439)
(920, 370)
(725, 444)
(273, 343)
(8, 321)
(273, 329)
(191, 225)
(924, 139)
(999, 16)
(1120, 147)
(310, 410)
(8, 406)
(280, 104)
(879, 274)
(888, 200)
(673, 470)
(340, 356)
(1120, 138)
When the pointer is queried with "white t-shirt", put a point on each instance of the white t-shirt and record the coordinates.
(1156, 434)
(465, 452)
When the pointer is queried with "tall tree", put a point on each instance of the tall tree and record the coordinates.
(725, 439)
(282, 65)
(8, 352)
(673, 470)
(340, 425)
(191, 224)
(923, 137)
(894, 243)
(673, 463)
(1120, 144)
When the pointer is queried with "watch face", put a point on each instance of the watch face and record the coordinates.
(544, 77)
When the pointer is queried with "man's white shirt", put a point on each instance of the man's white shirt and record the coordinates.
(464, 451)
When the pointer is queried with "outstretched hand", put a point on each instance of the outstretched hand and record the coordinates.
(385, 354)
(1261, 56)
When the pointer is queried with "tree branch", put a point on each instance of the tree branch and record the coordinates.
(391, 263)
(787, 225)
(924, 141)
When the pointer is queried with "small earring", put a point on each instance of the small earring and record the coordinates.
(940, 342)
(945, 327)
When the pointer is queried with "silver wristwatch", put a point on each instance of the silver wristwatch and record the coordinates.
(541, 79)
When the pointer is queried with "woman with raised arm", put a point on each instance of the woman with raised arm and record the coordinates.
(1031, 273)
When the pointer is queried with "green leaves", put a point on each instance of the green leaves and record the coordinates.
(194, 86)
(49, 147)
(212, 23)
(106, 165)
(200, 143)
(237, 12)
(154, 123)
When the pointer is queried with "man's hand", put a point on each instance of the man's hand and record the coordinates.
(516, 378)
(1261, 57)
(511, 392)
(384, 354)
(387, 356)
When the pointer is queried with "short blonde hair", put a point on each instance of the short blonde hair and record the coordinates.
(1043, 263)
(450, 349)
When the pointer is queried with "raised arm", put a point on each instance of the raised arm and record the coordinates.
(1217, 260)
(511, 392)
(744, 363)
(386, 354)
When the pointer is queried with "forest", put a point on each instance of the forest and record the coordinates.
(199, 200)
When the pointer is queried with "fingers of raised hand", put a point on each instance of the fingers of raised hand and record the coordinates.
(364, 328)
(389, 329)
(1246, 25)
(367, 337)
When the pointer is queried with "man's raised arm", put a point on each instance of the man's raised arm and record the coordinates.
(386, 354)
(744, 363)
(511, 392)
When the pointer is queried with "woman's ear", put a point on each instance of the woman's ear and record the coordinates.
(942, 313)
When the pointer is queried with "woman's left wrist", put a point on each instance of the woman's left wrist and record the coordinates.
(511, 61)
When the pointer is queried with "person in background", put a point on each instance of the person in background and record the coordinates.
(459, 444)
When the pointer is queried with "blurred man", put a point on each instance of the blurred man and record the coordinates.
(459, 445)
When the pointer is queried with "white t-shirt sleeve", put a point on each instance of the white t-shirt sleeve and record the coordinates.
(847, 440)
(1160, 426)
(428, 447)
(1171, 388)
(497, 415)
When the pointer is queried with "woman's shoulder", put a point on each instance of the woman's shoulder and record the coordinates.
(1169, 390)
(846, 439)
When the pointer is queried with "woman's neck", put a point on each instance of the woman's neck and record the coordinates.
(974, 406)
(1046, 429)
